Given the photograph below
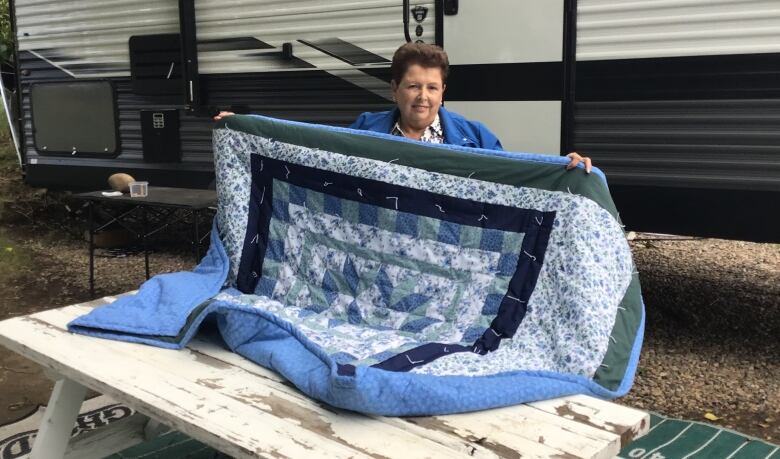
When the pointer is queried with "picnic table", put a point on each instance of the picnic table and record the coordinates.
(247, 411)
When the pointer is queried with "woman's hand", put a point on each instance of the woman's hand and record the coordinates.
(223, 115)
(576, 159)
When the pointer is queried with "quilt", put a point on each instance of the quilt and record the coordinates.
(392, 277)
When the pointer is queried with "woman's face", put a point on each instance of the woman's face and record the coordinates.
(419, 95)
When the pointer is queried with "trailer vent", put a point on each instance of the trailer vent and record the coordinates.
(155, 64)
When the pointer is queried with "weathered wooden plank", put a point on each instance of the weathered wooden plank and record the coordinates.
(624, 421)
(510, 425)
(217, 420)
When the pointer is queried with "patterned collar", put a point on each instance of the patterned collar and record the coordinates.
(432, 134)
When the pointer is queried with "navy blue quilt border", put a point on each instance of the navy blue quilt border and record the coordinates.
(536, 226)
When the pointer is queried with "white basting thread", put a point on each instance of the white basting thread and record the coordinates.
(327, 183)
(494, 332)
(413, 362)
(621, 308)
(605, 366)
(261, 165)
(170, 71)
(475, 349)
(445, 349)
(360, 192)
(396, 200)
(440, 209)
(288, 172)
(567, 189)
(539, 220)
(256, 239)
(393, 160)
(482, 217)
(262, 196)
(636, 273)
(613, 339)
(531, 256)
(472, 174)
(516, 299)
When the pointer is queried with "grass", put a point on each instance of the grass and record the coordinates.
(10, 171)
(8, 156)
(12, 258)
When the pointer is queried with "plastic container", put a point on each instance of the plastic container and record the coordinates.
(139, 189)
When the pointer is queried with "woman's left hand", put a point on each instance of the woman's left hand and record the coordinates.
(223, 115)
(576, 159)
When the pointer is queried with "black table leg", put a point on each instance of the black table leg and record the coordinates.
(196, 219)
(143, 240)
(91, 252)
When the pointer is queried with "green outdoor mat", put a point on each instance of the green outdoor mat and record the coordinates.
(668, 439)
(677, 439)
(171, 445)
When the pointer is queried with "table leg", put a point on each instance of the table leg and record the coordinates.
(196, 218)
(58, 420)
(143, 240)
(91, 251)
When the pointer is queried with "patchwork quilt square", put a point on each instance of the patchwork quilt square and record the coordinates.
(350, 256)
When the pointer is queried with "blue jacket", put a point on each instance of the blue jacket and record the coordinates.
(457, 129)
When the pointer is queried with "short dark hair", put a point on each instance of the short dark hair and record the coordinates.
(423, 54)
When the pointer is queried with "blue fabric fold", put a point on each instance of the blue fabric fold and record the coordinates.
(168, 298)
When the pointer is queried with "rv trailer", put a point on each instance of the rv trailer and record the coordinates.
(676, 100)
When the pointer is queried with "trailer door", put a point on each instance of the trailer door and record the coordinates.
(508, 69)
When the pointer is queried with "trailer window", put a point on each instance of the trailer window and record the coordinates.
(75, 117)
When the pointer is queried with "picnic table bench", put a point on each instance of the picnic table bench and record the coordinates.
(245, 410)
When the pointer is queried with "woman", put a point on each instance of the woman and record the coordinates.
(419, 77)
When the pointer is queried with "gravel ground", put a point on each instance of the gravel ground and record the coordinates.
(711, 341)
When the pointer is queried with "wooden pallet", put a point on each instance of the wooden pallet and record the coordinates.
(245, 410)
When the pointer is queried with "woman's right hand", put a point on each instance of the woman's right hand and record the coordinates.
(223, 115)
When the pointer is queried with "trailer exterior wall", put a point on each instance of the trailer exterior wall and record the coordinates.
(679, 102)
(675, 99)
